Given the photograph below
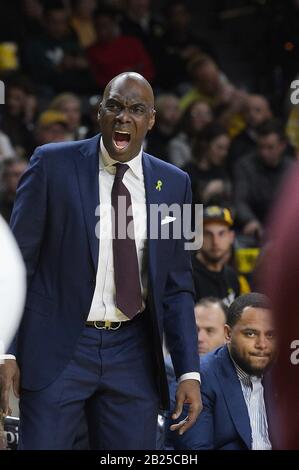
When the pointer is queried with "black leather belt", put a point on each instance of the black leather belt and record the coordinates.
(111, 325)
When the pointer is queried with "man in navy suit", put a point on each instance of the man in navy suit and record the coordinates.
(234, 415)
(97, 303)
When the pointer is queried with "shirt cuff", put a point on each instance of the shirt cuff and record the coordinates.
(3, 357)
(189, 375)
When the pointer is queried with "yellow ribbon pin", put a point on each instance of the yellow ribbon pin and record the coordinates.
(159, 185)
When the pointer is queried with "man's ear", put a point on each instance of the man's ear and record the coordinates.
(99, 116)
(152, 119)
(227, 333)
(99, 111)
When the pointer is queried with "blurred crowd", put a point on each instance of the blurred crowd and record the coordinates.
(228, 121)
(222, 84)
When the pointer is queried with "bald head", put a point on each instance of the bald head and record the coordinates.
(127, 77)
(210, 318)
(126, 114)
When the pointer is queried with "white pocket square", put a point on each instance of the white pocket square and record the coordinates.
(167, 219)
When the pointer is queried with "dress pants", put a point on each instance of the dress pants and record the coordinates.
(111, 378)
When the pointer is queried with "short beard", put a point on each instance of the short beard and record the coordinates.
(243, 364)
(212, 260)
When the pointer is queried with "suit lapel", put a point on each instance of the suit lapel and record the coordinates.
(234, 398)
(87, 165)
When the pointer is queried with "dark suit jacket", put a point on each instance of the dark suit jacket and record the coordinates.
(224, 422)
(54, 223)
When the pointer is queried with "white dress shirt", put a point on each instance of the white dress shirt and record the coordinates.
(253, 392)
(103, 303)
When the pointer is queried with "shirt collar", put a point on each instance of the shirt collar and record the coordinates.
(107, 163)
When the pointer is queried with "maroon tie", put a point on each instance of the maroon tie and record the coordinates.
(126, 270)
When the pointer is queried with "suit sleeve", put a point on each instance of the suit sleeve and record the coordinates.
(201, 435)
(178, 301)
(28, 218)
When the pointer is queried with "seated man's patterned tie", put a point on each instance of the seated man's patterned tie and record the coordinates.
(126, 270)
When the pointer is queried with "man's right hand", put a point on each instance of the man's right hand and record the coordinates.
(9, 377)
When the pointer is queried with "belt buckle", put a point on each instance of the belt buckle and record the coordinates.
(116, 328)
(107, 325)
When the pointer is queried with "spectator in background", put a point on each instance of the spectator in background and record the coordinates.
(212, 275)
(257, 112)
(20, 19)
(32, 19)
(210, 85)
(208, 82)
(217, 192)
(12, 170)
(82, 21)
(55, 60)
(6, 149)
(258, 176)
(234, 415)
(139, 21)
(52, 126)
(114, 53)
(230, 112)
(168, 114)
(180, 44)
(15, 121)
(70, 105)
(210, 316)
(196, 117)
(92, 116)
(210, 149)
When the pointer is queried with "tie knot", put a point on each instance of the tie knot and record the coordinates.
(121, 168)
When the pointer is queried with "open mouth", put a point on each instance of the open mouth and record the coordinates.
(121, 139)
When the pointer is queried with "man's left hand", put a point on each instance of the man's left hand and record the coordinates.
(188, 392)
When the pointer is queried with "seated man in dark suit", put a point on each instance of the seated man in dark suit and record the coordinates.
(234, 413)
(211, 317)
